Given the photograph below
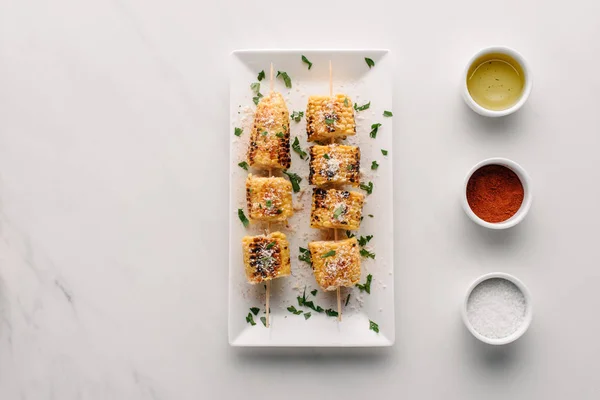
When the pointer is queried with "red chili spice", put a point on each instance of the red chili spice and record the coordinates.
(494, 193)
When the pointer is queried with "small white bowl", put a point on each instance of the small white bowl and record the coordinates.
(527, 198)
(528, 313)
(526, 90)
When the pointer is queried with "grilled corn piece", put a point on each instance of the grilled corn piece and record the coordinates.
(329, 117)
(336, 263)
(335, 163)
(270, 138)
(266, 257)
(269, 199)
(337, 209)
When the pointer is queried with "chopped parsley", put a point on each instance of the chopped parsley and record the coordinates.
(373, 326)
(295, 179)
(264, 321)
(305, 303)
(370, 62)
(328, 254)
(255, 310)
(347, 300)
(270, 245)
(346, 102)
(269, 203)
(261, 75)
(388, 114)
(384, 152)
(238, 131)
(363, 240)
(286, 78)
(366, 286)
(257, 98)
(326, 156)
(371, 215)
(307, 315)
(279, 135)
(304, 255)
(349, 234)
(349, 167)
(255, 87)
(339, 211)
(374, 165)
(363, 107)
(250, 319)
(293, 310)
(367, 254)
(374, 129)
(297, 115)
(313, 292)
(265, 133)
(296, 147)
(244, 165)
(243, 218)
(367, 188)
(329, 121)
(331, 313)
(304, 59)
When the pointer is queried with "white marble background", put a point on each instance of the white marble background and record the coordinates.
(113, 200)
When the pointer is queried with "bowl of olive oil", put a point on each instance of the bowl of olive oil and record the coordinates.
(497, 82)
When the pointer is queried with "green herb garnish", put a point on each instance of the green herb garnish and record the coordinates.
(384, 152)
(331, 313)
(339, 211)
(363, 107)
(388, 114)
(371, 215)
(270, 245)
(255, 87)
(374, 129)
(329, 121)
(255, 310)
(367, 254)
(350, 234)
(264, 321)
(307, 315)
(304, 59)
(250, 319)
(265, 133)
(279, 135)
(261, 75)
(269, 203)
(304, 255)
(297, 115)
(257, 98)
(363, 240)
(243, 218)
(370, 62)
(374, 165)
(367, 188)
(297, 149)
(326, 156)
(238, 131)
(313, 292)
(347, 300)
(293, 310)
(346, 101)
(244, 165)
(295, 180)
(367, 285)
(373, 326)
(328, 254)
(286, 79)
(305, 303)
(349, 167)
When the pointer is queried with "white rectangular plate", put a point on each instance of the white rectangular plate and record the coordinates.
(351, 76)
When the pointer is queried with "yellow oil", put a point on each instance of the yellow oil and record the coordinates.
(495, 81)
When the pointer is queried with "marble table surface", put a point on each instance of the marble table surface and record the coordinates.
(114, 203)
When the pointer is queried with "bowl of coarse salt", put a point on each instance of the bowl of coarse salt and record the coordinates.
(497, 308)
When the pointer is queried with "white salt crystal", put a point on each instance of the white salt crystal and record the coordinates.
(496, 308)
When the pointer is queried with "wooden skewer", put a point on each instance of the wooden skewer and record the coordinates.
(268, 289)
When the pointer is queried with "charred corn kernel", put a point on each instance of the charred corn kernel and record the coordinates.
(270, 137)
(329, 117)
(335, 163)
(266, 257)
(337, 209)
(269, 199)
(336, 263)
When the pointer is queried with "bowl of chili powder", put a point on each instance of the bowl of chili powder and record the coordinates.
(497, 193)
